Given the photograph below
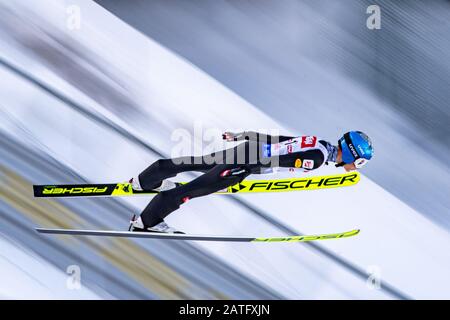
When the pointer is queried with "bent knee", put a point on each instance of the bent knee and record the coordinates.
(162, 164)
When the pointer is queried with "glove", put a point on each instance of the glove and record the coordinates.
(231, 136)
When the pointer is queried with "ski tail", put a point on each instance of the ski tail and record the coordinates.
(154, 235)
(86, 190)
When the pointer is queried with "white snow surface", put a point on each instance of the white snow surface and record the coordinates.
(26, 276)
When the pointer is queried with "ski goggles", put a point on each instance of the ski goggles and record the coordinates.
(359, 163)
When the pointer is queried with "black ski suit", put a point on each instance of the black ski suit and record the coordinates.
(230, 167)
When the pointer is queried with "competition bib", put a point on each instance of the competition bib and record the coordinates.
(297, 144)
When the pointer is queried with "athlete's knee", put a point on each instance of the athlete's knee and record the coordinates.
(155, 167)
(162, 164)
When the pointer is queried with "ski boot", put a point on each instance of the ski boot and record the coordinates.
(136, 225)
(165, 185)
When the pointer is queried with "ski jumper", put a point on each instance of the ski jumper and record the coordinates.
(258, 154)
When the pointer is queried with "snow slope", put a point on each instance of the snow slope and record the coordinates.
(25, 276)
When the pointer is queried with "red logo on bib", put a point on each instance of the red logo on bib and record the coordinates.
(308, 164)
(309, 141)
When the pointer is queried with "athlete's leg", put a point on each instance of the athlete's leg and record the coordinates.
(153, 176)
(159, 170)
(168, 201)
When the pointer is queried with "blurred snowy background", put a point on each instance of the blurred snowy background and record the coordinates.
(93, 91)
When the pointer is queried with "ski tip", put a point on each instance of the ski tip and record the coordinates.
(307, 238)
(351, 233)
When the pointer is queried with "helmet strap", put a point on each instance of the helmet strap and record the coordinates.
(350, 146)
(342, 163)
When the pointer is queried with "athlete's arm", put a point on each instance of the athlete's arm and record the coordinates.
(254, 136)
(308, 160)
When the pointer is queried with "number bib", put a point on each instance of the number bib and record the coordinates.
(297, 144)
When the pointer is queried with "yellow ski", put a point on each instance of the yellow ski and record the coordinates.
(246, 186)
(171, 236)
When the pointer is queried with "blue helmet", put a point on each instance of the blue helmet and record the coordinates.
(355, 145)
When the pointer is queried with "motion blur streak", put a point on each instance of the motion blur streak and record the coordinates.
(127, 269)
